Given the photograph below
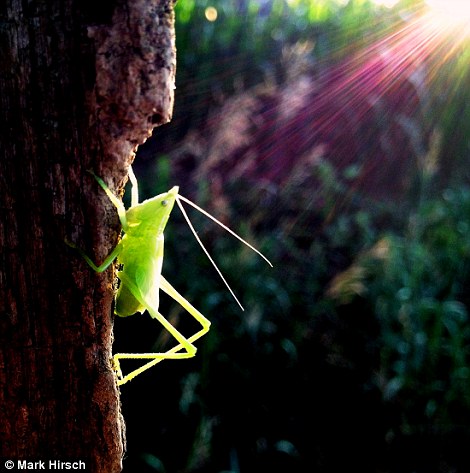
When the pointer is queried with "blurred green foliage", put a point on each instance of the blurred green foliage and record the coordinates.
(415, 282)
(353, 352)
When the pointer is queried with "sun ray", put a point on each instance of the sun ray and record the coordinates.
(450, 12)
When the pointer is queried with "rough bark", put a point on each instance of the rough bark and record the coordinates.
(82, 84)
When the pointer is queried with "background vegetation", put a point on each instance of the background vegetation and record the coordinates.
(317, 131)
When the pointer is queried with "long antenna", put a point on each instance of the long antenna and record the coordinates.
(185, 215)
(207, 214)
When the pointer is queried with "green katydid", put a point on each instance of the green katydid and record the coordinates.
(140, 255)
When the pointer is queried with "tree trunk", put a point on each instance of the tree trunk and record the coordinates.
(82, 84)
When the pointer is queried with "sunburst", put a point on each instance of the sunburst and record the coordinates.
(450, 13)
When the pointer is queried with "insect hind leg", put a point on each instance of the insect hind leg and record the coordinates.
(165, 286)
(176, 352)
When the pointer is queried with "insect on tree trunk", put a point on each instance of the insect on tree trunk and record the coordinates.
(82, 84)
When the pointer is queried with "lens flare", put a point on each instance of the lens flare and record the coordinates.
(211, 14)
(450, 12)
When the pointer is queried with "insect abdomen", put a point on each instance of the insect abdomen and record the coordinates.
(126, 303)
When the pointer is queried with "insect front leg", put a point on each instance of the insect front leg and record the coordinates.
(134, 188)
(121, 210)
(105, 264)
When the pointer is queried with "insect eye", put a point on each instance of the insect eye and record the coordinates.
(164, 203)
